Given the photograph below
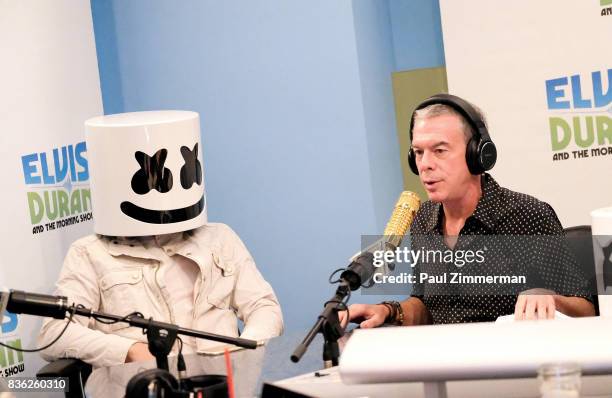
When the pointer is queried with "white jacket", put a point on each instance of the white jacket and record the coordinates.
(119, 276)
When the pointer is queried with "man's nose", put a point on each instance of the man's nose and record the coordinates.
(427, 161)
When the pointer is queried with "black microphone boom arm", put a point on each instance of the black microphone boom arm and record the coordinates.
(161, 335)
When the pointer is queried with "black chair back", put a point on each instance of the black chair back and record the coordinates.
(580, 242)
(75, 370)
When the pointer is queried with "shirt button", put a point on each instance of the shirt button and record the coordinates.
(134, 276)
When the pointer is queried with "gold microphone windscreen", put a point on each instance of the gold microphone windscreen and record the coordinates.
(406, 207)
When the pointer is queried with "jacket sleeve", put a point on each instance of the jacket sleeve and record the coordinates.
(79, 283)
(253, 297)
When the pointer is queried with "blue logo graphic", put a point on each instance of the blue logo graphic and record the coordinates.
(58, 186)
(9, 322)
(36, 168)
(580, 122)
(569, 92)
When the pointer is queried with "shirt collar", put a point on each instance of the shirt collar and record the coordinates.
(484, 209)
(434, 222)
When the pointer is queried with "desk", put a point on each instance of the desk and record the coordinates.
(308, 385)
(271, 364)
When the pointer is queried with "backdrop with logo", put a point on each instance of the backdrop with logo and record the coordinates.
(50, 86)
(542, 72)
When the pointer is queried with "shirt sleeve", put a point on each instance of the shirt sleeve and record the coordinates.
(78, 282)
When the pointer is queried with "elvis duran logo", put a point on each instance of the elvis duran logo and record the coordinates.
(11, 361)
(58, 187)
(607, 10)
(580, 110)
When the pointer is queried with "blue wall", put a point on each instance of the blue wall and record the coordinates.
(298, 128)
(417, 34)
(375, 61)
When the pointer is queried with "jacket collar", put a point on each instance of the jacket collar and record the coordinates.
(144, 246)
(153, 248)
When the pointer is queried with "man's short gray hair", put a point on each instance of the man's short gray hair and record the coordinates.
(435, 110)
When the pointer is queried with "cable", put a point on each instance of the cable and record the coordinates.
(71, 310)
(180, 344)
(334, 273)
(342, 305)
(365, 284)
(181, 367)
(107, 322)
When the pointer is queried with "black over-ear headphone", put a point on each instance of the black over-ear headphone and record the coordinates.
(211, 386)
(480, 153)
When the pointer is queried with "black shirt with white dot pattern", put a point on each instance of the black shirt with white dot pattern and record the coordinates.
(505, 213)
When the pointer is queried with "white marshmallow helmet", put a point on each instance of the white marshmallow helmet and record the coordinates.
(146, 173)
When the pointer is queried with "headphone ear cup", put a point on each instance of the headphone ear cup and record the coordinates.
(412, 162)
(472, 156)
(487, 155)
(138, 385)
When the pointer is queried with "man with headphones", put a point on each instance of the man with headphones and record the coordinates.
(451, 152)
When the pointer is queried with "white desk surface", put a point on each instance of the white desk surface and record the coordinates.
(332, 386)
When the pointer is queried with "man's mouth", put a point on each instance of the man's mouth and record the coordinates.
(163, 216)
(430, 184)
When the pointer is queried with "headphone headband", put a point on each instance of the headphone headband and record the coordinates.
(460, 105)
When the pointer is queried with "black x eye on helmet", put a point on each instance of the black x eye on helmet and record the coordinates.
(480, 153)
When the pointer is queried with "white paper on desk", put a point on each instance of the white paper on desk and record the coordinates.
(479, 350)
(510, 318)
(220, 349)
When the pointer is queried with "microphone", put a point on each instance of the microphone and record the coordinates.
(405, 209)
(362, 267)
(19, 302)
(4, 296)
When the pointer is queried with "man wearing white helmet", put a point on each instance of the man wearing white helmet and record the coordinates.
(154, 251)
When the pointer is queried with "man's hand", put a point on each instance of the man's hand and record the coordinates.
(535, 304)
(367, 315)
(139, 352)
